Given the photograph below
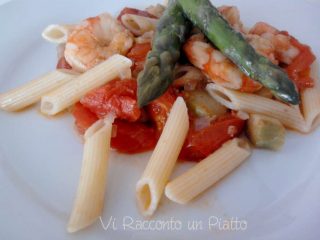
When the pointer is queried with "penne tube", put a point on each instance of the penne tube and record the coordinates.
(139, 25)
(32, 92)
(151, 185)
(72, 92)
(156, 10)
(57, 33)
(289, 116)
(89, 200)
(208, 172)
(310, 99)
(147, 37)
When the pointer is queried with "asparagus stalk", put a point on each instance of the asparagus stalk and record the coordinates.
(232, 44)
(157, 75)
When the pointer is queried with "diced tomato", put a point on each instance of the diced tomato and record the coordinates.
(300, 66)
(304, 59)
(249, 85)
(139, 52)
(299, 69)
(138, 55)
(63, 64)
(136, 68)
(303, 79)
(118, 97)
(134, 11)
(134, 137)
(200, 144)
(159, 108)
(84, 118)
(130, 137)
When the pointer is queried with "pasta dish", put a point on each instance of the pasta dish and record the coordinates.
(185, 80)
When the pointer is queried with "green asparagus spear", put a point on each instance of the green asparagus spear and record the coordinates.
(157, 75)
(232, 44)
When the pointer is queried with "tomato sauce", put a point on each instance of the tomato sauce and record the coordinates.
(134, 137)
(63, 64)
(201, 143)
(117, 97)
(84, 118)
(138, 55)
(159, 108)
(138, 130)
(299, 69)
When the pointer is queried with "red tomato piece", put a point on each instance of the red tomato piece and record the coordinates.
(63, 64)
(118, 97)
(199, 144)
(84, 118)
(304, 80)
(134, 11)
(138, 55)
(159, 108)
(249, 85)
(300, 66)
(134, 137)
(139, 52)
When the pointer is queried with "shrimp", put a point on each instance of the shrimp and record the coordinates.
(216, 66)
(263, 29)
(284, 50)
(265, 39)
(263, 46)
(95, 40)
(232, 15)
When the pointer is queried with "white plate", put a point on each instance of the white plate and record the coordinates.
(277, 193)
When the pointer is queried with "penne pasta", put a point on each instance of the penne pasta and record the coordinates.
(156, 10)
(151, 185)
(310, 98)
(289, 116)
(57, 33)
(89, 200)
(147, 37)
(31, 92)
(60, 50)
(72, 92)
(139, 25)
(188, 77)
(208, 172)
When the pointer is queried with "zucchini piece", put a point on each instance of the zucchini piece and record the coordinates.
(265, 132)
(201, 104)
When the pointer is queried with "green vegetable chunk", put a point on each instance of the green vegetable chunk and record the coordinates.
(201, 104)
(232, 44)
(265, 132)
(157, 75)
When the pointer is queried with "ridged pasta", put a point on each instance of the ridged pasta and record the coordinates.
(209, 171)
(156, 10)
(72, 92)
(310, 98)
(32, 91)
(147, 37)
(151, 185)
(139, 24)
(89, 200)
(57, 33)
(289, 116)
